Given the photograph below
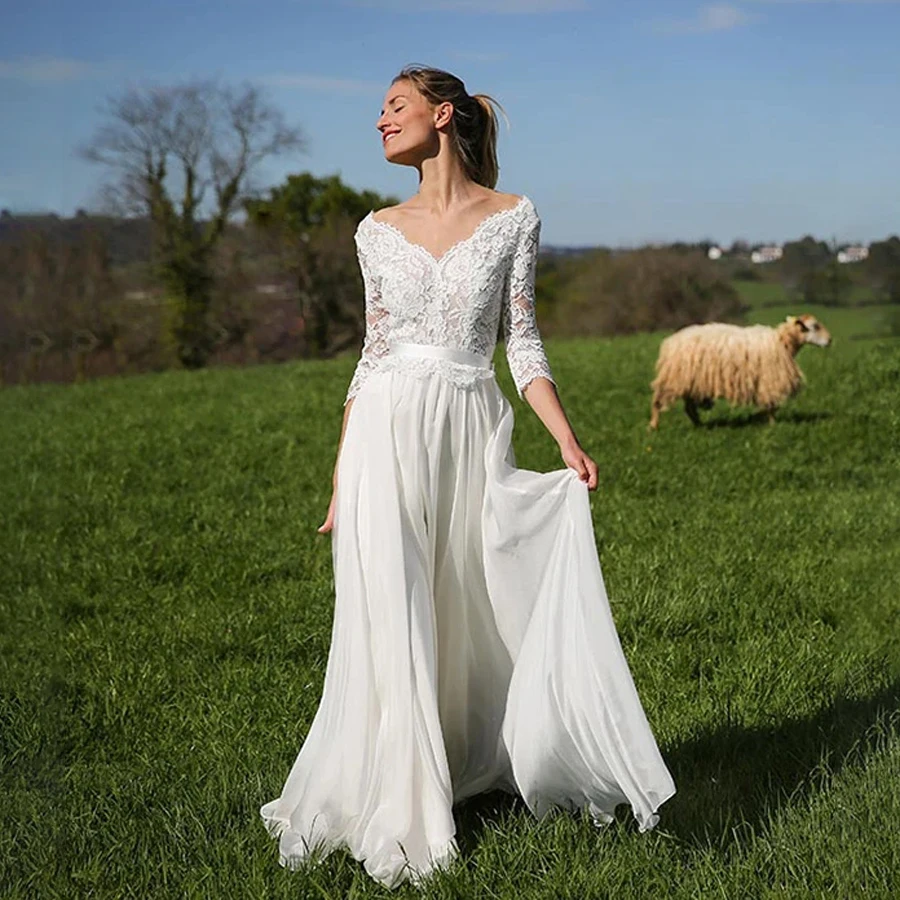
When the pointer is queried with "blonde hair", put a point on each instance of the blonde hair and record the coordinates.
(473, 127)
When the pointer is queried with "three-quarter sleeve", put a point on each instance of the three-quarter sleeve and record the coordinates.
(524, 348)
(375, 345)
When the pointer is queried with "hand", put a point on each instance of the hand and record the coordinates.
(328, 524)
(575, 458)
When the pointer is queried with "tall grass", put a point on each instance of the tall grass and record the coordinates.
(165, 612)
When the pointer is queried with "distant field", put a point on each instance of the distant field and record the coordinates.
(759, 294)
(769, 305)
(165, 614)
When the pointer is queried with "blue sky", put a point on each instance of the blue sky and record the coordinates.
(630, 122)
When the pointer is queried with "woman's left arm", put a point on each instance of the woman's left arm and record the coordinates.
(525, 353)
(543, 399)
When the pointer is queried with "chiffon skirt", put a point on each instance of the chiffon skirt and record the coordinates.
(473, 646)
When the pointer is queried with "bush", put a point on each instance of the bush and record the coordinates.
(882, 269)
(829, 285)
(747, 273)
(644, 290)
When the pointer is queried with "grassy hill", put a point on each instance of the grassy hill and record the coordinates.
(165, 614)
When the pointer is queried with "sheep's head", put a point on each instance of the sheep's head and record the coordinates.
(808, 329)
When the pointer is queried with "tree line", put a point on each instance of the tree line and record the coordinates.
(197, 267)
(809, 271)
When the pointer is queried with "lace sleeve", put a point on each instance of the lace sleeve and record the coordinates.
(524, 348)
(375, 345)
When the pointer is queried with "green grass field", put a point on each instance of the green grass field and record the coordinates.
(768, 304)
(165, 614)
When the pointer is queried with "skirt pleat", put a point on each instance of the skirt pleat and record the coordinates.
(473, 646)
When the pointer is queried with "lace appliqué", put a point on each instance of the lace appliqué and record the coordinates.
(457, 300)
(375, 344)
(524, 347)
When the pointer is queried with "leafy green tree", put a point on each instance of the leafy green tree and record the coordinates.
(313, 220)
(883, 269)
(809, 271)
(829, 285)
(183, 156)
(800, 258)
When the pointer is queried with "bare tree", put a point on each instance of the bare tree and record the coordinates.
(183, 155)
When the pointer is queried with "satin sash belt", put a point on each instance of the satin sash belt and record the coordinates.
(449, 353)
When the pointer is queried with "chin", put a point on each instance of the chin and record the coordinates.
(398, 155)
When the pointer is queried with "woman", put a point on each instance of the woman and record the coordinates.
(473, 646)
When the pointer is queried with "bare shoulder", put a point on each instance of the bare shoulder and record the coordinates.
(507, 201)
(392, 215)
(491, 201)
(520, 204)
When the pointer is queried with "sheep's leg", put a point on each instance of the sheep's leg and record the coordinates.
(656, 407)
(770, 412)
(690, 407)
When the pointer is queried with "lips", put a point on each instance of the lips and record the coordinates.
(388, 136)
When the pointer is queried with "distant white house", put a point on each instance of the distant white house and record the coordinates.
(766, 254)
(852, 254)
(714, 252)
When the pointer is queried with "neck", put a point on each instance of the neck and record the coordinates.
(443, 182)
(789, 337)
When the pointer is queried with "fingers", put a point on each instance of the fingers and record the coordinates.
(578, 464)
(587, 471)
(328, 524)
(594, 478)
(581, 469)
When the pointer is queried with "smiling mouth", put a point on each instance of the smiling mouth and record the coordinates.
(390, 135)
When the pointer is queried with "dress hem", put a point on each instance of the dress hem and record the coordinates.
(381, 866)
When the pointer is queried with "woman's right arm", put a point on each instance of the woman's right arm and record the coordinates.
(374, 348)
(328, 524)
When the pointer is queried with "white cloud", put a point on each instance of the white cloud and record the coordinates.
(322, 84)
(506, 7)
(47, 69)
(717, 17)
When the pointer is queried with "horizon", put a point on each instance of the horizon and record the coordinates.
(240, 221)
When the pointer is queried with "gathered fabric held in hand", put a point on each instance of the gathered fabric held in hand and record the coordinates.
(473, 646)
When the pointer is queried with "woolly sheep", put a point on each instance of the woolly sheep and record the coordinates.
(752, 365)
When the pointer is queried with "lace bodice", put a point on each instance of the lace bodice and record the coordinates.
(457, 300)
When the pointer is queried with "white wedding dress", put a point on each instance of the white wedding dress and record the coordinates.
(473, 646)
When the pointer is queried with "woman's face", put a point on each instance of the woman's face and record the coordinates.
(408, 124)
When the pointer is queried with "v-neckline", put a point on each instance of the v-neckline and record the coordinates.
(437, 260)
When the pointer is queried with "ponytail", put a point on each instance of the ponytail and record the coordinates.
(486, 170)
